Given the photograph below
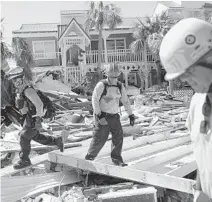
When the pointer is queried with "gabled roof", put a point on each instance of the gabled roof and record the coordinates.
(79, 26)
(38, 27)
(127, 23)
(170, 4)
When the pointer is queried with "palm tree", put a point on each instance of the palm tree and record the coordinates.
(154, 41)
(148, 37)
(5, 52)
(23, 55)
(21, 52)
(141, 33)
(100, 16)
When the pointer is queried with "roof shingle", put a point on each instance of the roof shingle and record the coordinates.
(38, 27)
(127, 23)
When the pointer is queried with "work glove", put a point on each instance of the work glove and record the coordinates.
(132, 119)
(40, 113)
(101, 118)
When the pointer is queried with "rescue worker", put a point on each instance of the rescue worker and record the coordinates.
(186, 53)
(105, 101)
(32, 108)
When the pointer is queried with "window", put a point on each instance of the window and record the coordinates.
(44, 49)
(194, 14)
(115, 44)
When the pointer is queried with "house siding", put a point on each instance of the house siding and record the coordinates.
(44, 62)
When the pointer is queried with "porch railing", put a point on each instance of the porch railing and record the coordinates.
(124, 55)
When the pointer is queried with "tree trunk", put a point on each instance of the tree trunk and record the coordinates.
(99, 51)
(146, 68)
(158, 70)
(171, 88)
(146, 82)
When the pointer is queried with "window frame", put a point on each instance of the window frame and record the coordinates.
(115, 39)
(45, 56)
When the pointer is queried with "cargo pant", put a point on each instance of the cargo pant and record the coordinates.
(30, 132)
(100, 136)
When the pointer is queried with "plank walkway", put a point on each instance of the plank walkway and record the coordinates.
(158, 160)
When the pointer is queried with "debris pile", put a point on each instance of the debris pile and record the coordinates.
(155, 114)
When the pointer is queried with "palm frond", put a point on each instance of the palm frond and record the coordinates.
(5, 52)
(23, 55)
(137, 46)
(147, 20)
(154, 42)
(112, 16)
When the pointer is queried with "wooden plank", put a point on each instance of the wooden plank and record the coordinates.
(180, 166)
(184, 169)
(129, 143)
(165, 181)
(150, 149)
(15, 188)
(9, 170)
(183, 166)
(161, 157)
(41, 147)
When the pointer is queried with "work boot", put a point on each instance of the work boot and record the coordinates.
(119, 163)
(22, 163)
(24, 160)
(59, 142)
(89, 157)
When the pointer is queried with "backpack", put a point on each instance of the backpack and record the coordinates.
(47, 104)
(106, 86)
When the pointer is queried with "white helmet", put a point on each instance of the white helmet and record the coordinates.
(112, 70)
(185, 43)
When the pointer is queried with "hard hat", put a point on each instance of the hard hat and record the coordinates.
(112, 70)
(185, 43)
(14, 73)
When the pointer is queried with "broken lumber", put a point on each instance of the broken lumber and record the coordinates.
(42, 147)
(17, 187)
(9, 170)
(140, 176)
(105, 189)
(130, 195)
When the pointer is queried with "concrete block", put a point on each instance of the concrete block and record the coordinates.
(131, 195)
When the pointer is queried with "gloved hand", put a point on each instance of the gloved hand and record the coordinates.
(132, 119)
(40, 113)
(101, 119)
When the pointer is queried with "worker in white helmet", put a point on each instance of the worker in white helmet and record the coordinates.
(186, 53)
(105, 101)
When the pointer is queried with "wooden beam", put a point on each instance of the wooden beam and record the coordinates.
(41, 147)
(165, 181)
(161, 157)
(9, 170)
(183, 166)
(129, 143)
(150, 149)
(17, 187)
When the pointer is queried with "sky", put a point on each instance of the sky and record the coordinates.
(16, 13)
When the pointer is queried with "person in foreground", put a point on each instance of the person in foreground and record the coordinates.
(186, 53)
(105, 102)
(32, 109)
